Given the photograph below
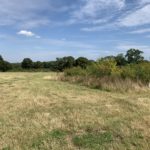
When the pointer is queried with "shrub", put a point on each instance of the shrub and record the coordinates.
(106, 75)
(76, 71)
(128, 72)
(143, 72)
(137, 72)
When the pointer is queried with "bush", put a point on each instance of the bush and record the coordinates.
(104, 68)
(106, 75)
(139, 71)
(143, 72)
(76, 71)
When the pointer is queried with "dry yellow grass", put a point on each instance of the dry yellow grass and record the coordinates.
(39, 112)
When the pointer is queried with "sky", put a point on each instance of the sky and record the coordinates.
(46, 29)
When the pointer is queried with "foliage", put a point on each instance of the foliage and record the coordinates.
(5, 66)
(37, 65)
(82, 62)
(134, 56)
(139, 71)
(114, 66)
(27, 63)
(76, 71)
(64, 63)
(120, 59)
(106, 74)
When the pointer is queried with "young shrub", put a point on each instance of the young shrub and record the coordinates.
(108, 67)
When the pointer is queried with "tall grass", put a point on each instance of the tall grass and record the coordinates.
(108, 76)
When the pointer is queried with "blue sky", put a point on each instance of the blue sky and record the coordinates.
(46, 29)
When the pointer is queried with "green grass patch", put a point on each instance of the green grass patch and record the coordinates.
(56, 134)
(93, 141)
(6, 148)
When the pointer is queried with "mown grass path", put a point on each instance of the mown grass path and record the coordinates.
(38, 112)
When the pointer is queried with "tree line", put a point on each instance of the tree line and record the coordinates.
(60, 64)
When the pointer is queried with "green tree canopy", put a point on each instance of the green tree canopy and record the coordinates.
(82, 62)
(121, 60)
(27, 63)
(134, 56)
(65, 62)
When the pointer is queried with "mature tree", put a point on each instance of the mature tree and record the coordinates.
(65, 62)
(82, 62)
(59, 64)
(120, 59)
(134, 56)
(68, 61)
(27, 63)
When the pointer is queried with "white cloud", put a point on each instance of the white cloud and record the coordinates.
(128, 46)
(144, 1)
(37, 36)
(34, 23)
(99, 27)
(137, 18)
(28, 13)
(92, 8)
(140, 31)
(28, 34)
(20, 11)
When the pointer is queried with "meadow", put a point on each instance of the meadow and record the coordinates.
(40, 112)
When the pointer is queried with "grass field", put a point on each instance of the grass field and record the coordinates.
(38, 112)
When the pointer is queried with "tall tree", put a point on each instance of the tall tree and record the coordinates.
(134, 56)
(65, 62)
(27, 63)
(82, 62)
